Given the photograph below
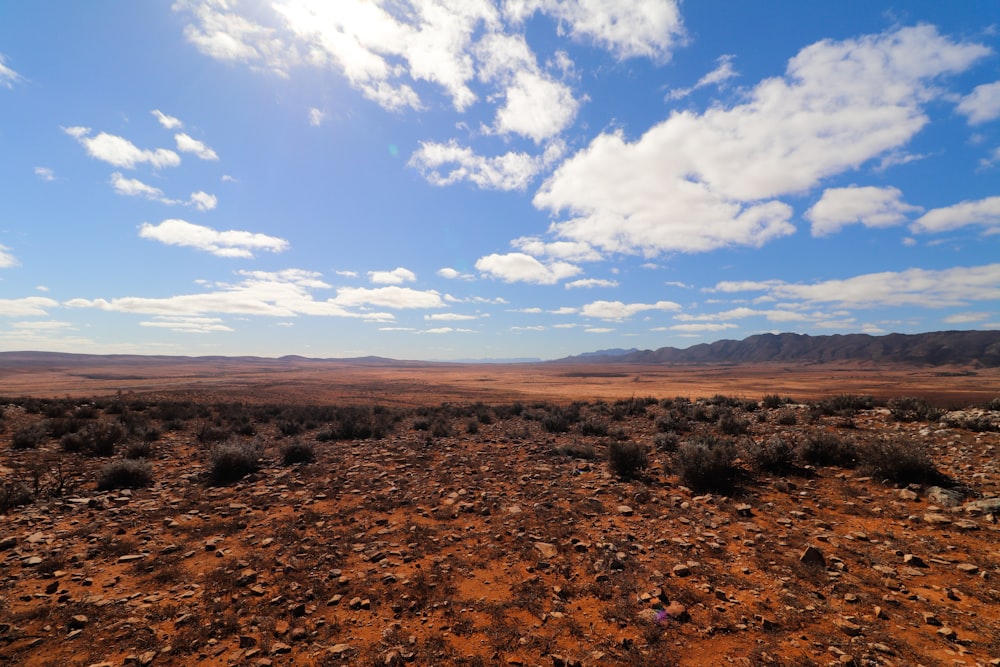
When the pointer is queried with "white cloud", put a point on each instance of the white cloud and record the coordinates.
(627, 28)
(598, 330)
(510, 171)
(449, 317)
(967, 318)
(347, 274)
(701, 328)
(397, 276)
(183, 324)
(572, 251)
(230, 243)
(536, 107)
(7, 260)
(985, 212)
(281, 294)
(45, 173)
(47, 325)
(618, 311)
(869, 206)
(8, 77)
(188, 144)
(697, 182)
(722, 73)
(133, 187)
(982, 104)
(453, 274)
(590, 283)
(30, 306)
(121, 152)
(519, 267)
(387, 297)
(166, 121)
(912, 287)
(203, 201)
(316, 117)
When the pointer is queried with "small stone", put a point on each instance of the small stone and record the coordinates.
(625, 510)
(947, 633)
(930, 618)
(967, 568)
(848, 628)
(936, 519)
(280, 647)
(547, 550)
(340, 650)
(681, 570)
(914, 561)
(78, 621)
(812, 556)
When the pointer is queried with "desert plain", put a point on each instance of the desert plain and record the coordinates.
(257, 512)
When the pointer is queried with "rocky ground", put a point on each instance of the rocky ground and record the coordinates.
(534, 534)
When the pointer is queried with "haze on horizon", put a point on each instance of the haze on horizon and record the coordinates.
(429, 179)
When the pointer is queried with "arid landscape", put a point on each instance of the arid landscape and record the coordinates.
(213, 511)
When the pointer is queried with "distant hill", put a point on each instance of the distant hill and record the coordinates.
(981, 348)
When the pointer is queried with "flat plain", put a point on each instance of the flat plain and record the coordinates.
(299, 512)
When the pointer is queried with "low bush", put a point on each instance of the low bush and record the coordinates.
(13, 494)
(125, 474)
(732, 424)
(578, 450)
(912, 409)
(298, 451)
(28, 437)
(707, 464)
(138, 450)
(897, 461)
(666, 442)
(627, 459)
(95, 439)
(595, 427)
(775, 455)
(845, 405)
(828, 449)
(772, 401)
(787, 418)
(232, 461)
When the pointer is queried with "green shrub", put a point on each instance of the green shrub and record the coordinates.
(707, 464)
(898, 461)
(125, 474)
(232, 461)
(627, 459)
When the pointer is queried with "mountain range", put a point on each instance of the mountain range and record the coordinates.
(977, 348)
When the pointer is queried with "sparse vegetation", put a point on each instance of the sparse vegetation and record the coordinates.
(233, 460)
(627, 459)
(125, 474)
(898, 461)
(298, 451)
(707, 463)
(828, 449)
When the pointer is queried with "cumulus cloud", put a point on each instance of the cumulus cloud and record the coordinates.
(453, 274)
(869, 206)
(701, 181)
(188, 144)
(203, 201)
(449, 163)
(631, 28)
(281, 294)
(519, 267)
(121, 152)
(7, 259)
(30, 306)
(617, 311)
(8, 77)
(166, 121)
(133, 187)
(387, 297)
(982, 104)
(912, 287)
(571, 251)
(230, 243)
(983, 212)
(397, 276)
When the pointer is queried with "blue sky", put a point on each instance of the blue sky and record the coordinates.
(427, 179)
